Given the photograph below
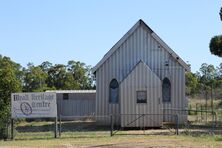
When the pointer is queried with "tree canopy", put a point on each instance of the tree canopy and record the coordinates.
(220, 13)
(216, 45)
(216, 42)
(10, 81)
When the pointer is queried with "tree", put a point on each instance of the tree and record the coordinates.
(45, 66)
(220, 13)
(56, 76)
(191, 84)
(81, 74)
(216, 45)
(207, 80)
(34, 79)
(216, 42)
(10, 73)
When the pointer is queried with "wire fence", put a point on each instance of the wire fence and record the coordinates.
(116, 124)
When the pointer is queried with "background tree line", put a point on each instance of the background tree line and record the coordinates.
(207, 79)
(46, 76)
(38, 78)
(205, 85)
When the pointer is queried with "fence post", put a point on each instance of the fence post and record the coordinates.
(212, 122)
(177, 124)
(12, 129)
(215, 119)
(111, 125)
(55, 127)
(196, 109)
(201, 114)
(143, 124)
(60, 125)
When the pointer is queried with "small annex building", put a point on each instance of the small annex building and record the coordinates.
(72, 104)
(141, 75)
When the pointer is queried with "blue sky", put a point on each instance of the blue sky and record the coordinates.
(58, 31)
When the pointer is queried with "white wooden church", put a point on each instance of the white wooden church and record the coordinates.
(140, 75)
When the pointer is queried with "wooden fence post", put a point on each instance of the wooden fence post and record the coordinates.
(12, 129)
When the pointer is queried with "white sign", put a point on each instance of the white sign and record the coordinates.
(33, 105)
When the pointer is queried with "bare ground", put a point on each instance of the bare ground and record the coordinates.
(119, 141)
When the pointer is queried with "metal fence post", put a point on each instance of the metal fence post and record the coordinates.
(111, 124)
(55, 127)
(12, 129)
(60, 126)
(177, 124)
(143, 124)
(196, 109)
(201, 108)
(215, 119)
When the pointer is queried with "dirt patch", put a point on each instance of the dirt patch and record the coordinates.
(151, 143)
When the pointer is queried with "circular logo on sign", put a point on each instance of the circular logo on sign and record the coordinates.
(26, 108)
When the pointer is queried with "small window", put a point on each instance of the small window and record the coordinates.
(141, 97)
(166, 90)
(114, 91)
(65, 96)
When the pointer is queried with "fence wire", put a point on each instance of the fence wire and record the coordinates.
(93, 126)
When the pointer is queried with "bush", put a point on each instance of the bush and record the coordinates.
(4, 122)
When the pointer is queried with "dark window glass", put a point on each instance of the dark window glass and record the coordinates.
(166, 90)
(65, 96)
(141, 97)
(114, 91)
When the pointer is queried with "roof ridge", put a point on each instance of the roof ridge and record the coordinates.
(153, 34)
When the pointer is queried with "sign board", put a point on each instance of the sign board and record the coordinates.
(33, 105)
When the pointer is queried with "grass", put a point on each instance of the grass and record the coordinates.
(120, 140)
(77, 134)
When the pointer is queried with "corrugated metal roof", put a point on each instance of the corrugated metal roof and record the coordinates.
(127, 35)
(72, 91)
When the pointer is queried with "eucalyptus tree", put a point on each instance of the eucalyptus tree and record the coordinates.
(10, 82)
(216, 42)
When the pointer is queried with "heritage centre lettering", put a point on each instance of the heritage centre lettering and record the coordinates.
(30, 105)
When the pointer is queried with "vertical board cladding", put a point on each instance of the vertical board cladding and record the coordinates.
(136, 114)
(141, 44)
(79, 103)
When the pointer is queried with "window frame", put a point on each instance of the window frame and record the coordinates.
(138, 100)
(167, 99)
(65, 96)
(116, 89)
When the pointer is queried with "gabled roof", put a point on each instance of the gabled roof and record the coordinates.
(145, 65)
(153, 34)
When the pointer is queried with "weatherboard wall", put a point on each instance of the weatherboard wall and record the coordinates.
(135, 114)
(140, 44)
(78, 104)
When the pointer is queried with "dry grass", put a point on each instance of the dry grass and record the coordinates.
(119, 141)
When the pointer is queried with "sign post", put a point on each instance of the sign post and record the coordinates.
(34, 105)
(12, 129)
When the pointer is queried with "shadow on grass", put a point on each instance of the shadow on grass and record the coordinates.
(62, 137)
(201, 132)
(65, 127)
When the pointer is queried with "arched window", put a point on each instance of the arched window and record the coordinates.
(166, 90)
(114, 91)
